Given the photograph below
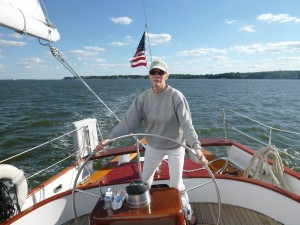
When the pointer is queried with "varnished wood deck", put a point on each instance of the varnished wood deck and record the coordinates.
(206, 213)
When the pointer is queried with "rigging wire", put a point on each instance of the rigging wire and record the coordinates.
(57, 54)
(146, 29)
(48, 22)
(44, 9)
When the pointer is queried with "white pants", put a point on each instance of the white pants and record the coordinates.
(153, 158)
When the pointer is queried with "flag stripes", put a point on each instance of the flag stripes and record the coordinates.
(139, 59)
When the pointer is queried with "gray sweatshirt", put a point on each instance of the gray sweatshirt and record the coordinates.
(166, 114)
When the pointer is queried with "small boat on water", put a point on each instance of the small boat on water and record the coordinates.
(238, 186)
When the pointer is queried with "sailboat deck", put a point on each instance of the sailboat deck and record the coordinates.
(206, 213)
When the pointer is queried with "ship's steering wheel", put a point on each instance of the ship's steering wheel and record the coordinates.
(213, 180)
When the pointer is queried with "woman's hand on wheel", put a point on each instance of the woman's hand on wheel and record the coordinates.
(102, 144)
(201, 156)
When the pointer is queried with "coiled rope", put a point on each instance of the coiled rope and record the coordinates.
(260, 168)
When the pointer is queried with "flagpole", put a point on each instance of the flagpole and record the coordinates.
(146, 29)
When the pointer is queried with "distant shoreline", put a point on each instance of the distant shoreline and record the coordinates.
(253, 75)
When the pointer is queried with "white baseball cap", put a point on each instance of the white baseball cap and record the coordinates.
(159, 64)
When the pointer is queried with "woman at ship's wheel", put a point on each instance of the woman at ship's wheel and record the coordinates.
(164, 111)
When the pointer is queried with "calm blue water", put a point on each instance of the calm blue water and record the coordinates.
(33, 112)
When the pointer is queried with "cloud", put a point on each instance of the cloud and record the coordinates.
(30, 62)
(221, 58)
(99, 60)
(202, 51)
(289, 59)
(113, 65)
(118, 43)
(91, 54)
(128, 38)
(248, 28)
(82, 53)
(122, 20)
(15, 35)
(11, 43)
(94, 48)
(230, 21)
(157, 39)
(280, 18)
(278, 47)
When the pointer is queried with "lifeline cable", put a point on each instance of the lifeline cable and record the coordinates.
(39, 145)
(270, 131)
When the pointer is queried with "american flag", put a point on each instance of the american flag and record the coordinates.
(139, 59)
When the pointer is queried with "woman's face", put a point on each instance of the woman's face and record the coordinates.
(158, 78)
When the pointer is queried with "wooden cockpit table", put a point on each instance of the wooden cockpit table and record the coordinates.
(165, 208)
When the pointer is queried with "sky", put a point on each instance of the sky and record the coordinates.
(192, 36)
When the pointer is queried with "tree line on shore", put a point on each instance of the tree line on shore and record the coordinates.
(231, 75)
